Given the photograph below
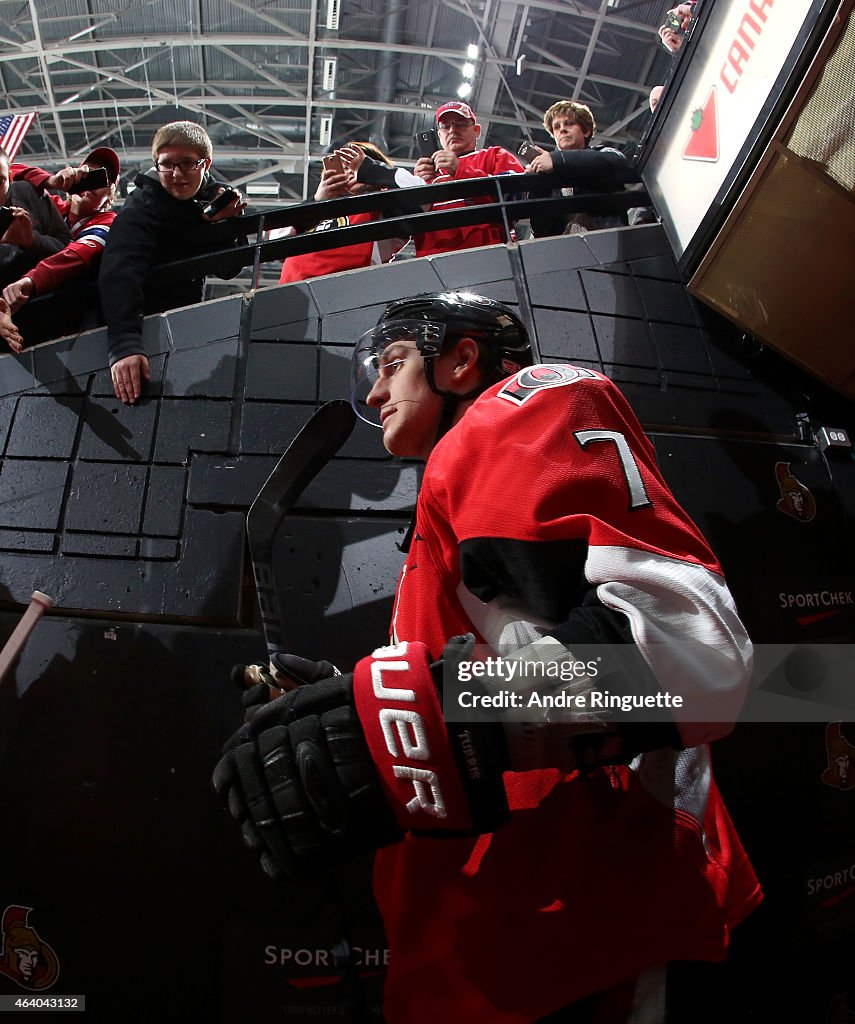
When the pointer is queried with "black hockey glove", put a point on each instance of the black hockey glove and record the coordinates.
(353, 762)
(260, 685)
(302, 671)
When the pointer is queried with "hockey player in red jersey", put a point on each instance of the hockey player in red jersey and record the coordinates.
(525, 874)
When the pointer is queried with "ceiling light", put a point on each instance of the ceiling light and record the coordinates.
(91, 28)
(464, 89)
(472, 51)
(468, 70)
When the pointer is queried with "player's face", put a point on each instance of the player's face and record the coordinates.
(180, 170)
(458, 134)
(567, 132)
(409, 410)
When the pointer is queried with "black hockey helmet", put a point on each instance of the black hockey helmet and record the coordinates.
(429, 319)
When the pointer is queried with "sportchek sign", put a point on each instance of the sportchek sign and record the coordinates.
(731, 75)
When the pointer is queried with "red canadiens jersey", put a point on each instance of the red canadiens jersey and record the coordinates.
(480, 164)
(331, 261)
(600, 877)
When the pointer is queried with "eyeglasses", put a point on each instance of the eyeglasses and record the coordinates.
(185, 166)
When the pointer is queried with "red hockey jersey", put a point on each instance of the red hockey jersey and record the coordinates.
(80, 257)
(546, 496)
(346, 257)
(482, 163)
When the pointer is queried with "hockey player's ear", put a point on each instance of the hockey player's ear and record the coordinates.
(465, 368)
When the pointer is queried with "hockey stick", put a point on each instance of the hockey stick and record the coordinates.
(39, 604)
(314, 446)
(305, 457)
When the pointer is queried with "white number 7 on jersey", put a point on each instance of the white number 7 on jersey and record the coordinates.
(637, 493)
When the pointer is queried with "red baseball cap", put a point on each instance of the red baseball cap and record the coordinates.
(456, 107)
(106, 158)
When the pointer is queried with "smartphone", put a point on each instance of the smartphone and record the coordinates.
(221, 202)
(96, 178)
(333, 163)
(675, 21)
(427, 142)
(528, 151)
(6, 218)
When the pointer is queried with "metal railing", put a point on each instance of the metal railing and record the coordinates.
(501, 200)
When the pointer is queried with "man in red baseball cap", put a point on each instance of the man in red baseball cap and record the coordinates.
(457, 159)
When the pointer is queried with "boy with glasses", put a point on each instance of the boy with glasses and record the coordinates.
(161, 221)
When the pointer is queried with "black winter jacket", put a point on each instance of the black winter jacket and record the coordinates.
(50, 232)
(591, 170)
(152, 228)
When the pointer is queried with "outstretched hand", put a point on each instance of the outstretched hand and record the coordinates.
(333, 184)
(17, 293)
(8, 331)
(542, 163)
(67, 178)
(352, 157)
(20, 231)
(128, 375)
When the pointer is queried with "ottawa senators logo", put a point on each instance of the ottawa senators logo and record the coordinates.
(25, 957)
(796, 500)
(840, 772)
(535, 378)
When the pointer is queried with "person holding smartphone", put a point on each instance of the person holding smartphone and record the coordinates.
(338, 179)
(457, 158)
(586, 169)
(677, 22)
(32, 227)
(87, 211)
(162, 220)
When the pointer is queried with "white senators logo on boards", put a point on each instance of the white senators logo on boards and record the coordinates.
(404, 731)
(535, 378)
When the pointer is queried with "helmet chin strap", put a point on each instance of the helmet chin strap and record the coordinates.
(450, 404)
(450, 401)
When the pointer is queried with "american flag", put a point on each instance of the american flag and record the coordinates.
(13, 128)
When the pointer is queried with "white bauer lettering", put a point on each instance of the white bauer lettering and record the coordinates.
(383, 692)
(410, 731)
(406, 737)
(428, 796)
